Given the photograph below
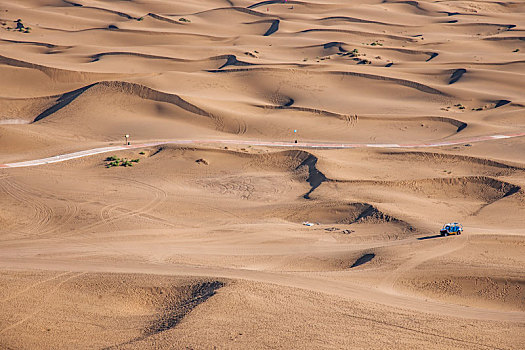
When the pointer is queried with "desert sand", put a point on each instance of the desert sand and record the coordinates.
(201, 242)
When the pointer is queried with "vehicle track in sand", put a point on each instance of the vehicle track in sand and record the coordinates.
(41, 213)
(317, 284)
(43, 304)
(39, 227)
(159, 196)
(421, 256)
(34, 285)
(107, 218)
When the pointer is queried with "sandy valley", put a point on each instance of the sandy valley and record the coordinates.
(195, 236)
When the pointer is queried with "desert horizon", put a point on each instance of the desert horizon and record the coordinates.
(233, 174)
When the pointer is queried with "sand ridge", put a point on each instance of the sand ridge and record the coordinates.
(291, 163)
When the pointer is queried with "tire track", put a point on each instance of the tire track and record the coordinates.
(404, 328)
(41, 212)
(422, 256)
(43, 304)
(44, 214)
(159, 196)
(33, 286)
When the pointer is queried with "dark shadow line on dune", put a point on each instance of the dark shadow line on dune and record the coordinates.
(175, 313)
(501, 103)
(315, 177)
(356, 32)
(512, 191)
(273, 28)
(475, 160)
(270, 2)
(363, 260)
(461, 127)
(163, 19)
(232, 60)
(234, 8)
(432, 56)
(449, 13)
(131, 88)
(456, 75)
(412, 3)
(510, 188)
(290, 102)
(521, 38)
(36, 43)
(408, 83)
(331, 44)
(63, 101)
(290, 106)
(357, 20)
(118, 13)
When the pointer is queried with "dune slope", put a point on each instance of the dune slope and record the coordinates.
(230, 239)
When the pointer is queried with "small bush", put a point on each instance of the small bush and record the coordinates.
(142, 153)
(182, 19)
(115, 161)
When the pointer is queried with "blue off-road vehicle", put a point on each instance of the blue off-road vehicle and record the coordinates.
(451, 229)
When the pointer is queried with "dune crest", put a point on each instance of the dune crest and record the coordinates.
(244, 174)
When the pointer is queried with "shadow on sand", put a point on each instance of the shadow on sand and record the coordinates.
(429, 237)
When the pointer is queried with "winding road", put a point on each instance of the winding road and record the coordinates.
(90, 152)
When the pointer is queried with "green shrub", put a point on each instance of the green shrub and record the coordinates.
(115, 161)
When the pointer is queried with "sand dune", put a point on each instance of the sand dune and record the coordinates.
(237, 236)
